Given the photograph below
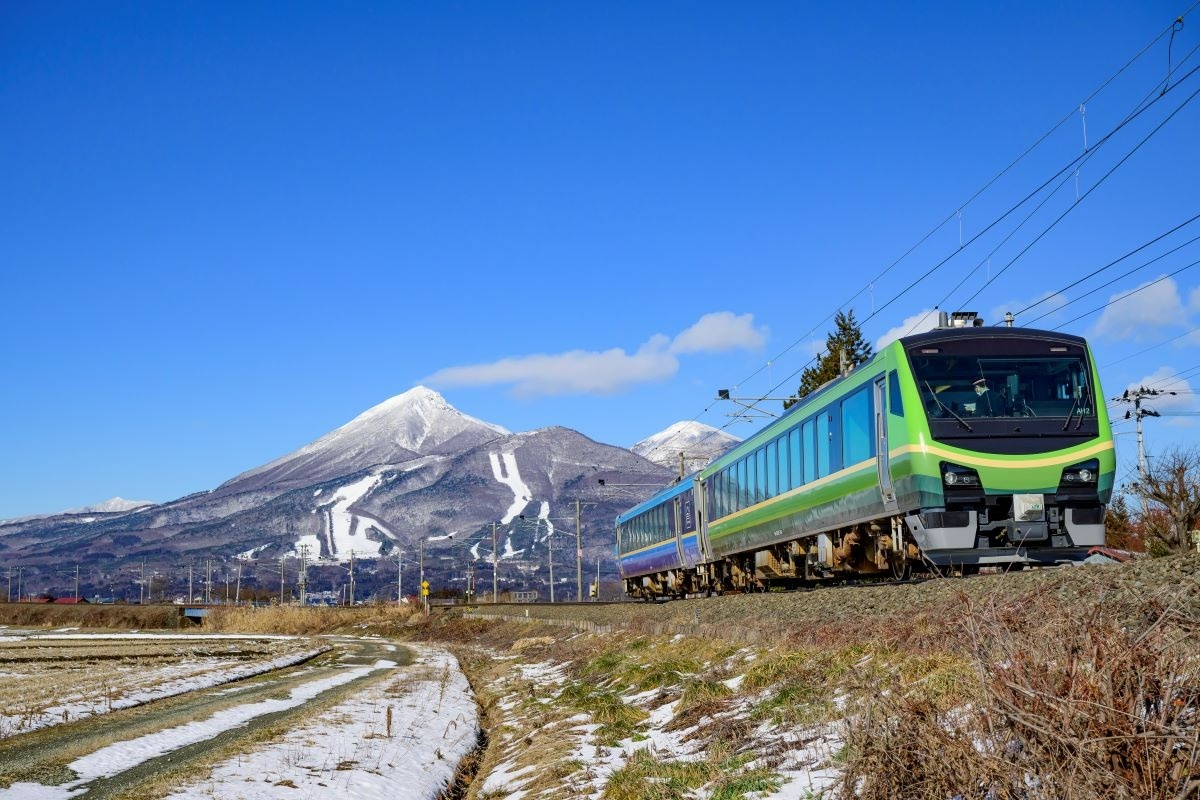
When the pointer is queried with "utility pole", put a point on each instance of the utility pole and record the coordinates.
(399, 577)
(303, 579)
(550, 550)
(237, 597)
(10, 583)
(1135, 398)
(281, 578)
(142, 584)
(424, 589)
(352, 576)
(495, 567)
(579, 554)
(191, 597)
(76, 583)
(208, 581)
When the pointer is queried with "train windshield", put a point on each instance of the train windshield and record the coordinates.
(991, 387)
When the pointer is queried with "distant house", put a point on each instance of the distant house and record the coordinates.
(70, 601)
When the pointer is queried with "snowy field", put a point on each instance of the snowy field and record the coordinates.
(363, 720)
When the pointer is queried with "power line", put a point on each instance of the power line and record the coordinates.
(1127, 295)
(1116, 261)
(1143, 106)
(1093, 188)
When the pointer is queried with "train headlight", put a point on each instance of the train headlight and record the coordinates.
(1084, 474)
(956, 476)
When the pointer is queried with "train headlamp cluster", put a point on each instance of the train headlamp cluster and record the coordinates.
(954, 475)
(1081, 474)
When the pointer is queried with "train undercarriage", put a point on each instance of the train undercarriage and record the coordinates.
(883, 549)
(875, 550)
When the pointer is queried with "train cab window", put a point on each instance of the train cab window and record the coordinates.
(822, 445)
(856, 428)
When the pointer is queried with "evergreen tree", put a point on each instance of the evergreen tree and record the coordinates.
(846, 338)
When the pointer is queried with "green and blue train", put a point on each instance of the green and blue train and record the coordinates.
(951, 450)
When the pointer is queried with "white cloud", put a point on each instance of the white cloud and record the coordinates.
(1141, 315)
(1194, 299)
(920, 322)
(720, 332)
(608, 371)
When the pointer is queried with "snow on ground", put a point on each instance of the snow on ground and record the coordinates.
(149, 683)
(803, 754)
(402, 738)
(122, 756)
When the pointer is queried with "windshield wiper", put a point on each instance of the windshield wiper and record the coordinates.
(1071, 413)
(949, 411)
(1078, 402)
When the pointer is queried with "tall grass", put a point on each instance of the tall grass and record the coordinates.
(1094, 702)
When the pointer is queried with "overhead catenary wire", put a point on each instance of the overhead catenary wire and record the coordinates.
(1093, 188)
(1144, 105)
(1111, 281)
(1074, 163)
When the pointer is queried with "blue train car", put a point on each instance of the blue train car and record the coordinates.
(661, 536)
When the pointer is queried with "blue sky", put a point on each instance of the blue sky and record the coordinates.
(228, 228)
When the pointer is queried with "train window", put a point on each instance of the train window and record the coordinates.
(768, 458)
(728, 502)
(743, 496)
(794, 457)
(856, 428)
(752, 479)
(773, 474)
(895, 402)
(810, 451)
(822, 445)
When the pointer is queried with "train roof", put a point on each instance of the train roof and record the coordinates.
(987, 332)
(658, 498)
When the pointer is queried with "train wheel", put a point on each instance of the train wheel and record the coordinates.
(900, 568)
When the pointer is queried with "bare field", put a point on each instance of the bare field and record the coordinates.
(55, 678)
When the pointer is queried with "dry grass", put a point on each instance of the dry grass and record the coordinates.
(45, 615)
(298, 621)
(1068, 703)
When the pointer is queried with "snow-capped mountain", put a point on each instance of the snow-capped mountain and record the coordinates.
(411, 475)
(113, 505)
(416, 423)
(699, 443)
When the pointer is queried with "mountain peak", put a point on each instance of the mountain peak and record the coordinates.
(417, 417)
(699, 443)
(418, 422)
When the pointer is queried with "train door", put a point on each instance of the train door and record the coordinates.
(678, 529)
(882, 465)
(700, 501)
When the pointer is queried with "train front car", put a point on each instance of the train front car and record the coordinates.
(1012, 460)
